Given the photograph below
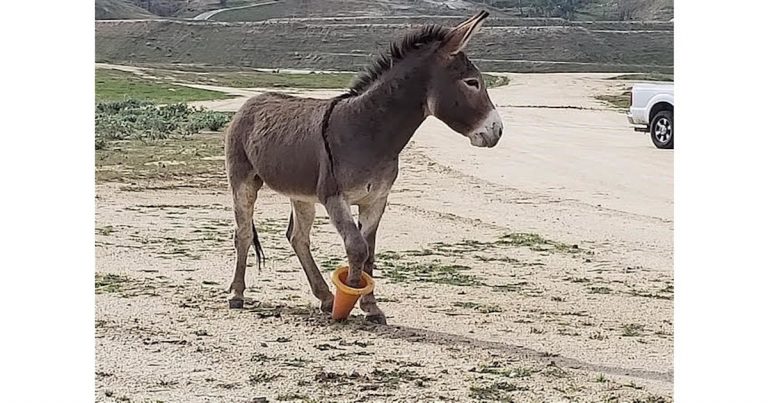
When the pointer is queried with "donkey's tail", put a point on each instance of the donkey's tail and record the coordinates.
(260, 258)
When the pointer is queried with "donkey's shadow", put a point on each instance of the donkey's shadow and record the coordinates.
(455, 341)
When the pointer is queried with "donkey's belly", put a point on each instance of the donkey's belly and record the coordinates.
(292, 172)
(356, 196)
(297, 189)
(297, 176)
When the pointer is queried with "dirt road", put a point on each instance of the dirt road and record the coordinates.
(540, 270)
(208, 14)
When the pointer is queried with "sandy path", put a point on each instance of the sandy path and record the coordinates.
(525, 321)
(208, 14)
(559, 141)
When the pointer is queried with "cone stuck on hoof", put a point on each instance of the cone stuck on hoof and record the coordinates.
(346, 297)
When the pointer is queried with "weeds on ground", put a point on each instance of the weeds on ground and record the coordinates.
(134, 119)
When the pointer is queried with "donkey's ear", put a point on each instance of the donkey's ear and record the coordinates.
(459, 36)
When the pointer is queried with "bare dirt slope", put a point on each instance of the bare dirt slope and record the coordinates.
(540, 270)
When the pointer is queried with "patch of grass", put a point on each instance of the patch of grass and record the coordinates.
(479, 307)
(378, 378)
(647, 294)
(494, 368)
(566, 332)
(386, 299)
(297, 362)
(522, 372)
(495, 392)
(330, 264)
(105, 230)
(536, 242)
(193, 160)
(632, 330)
(392, 378)
(619, 101)
(652, 399)
(462, 248)
(116, 85)
(433, 272)
(293, 396)
(632, 385)
(601, 378)
(262, 377)
(599, 290)
(260, 357)
(520, 287)
(110, 283)
(645, 77)
(402, 363)
(166, 383)
(337, 378)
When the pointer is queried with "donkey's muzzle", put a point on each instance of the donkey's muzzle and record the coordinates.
(490, 131)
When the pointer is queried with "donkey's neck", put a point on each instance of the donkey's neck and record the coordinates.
(383, 119)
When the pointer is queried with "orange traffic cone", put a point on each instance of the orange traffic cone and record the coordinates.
(346, 297)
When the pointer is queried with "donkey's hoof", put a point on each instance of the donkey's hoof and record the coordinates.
(236, 303)
(327, 306)
(378, 319)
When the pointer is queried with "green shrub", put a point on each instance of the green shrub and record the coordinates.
(144, 120)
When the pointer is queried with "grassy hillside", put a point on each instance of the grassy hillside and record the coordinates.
(575, 10)
(588, 10)
(120, 9)
(328, 45)
(345, 8)
(140, 9)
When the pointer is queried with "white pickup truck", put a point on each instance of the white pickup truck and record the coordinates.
(650, 110)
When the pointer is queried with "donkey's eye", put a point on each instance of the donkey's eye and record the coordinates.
(472, 82)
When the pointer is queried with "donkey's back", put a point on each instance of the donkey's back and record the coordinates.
(277, 140)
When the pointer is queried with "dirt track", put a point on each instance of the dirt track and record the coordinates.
(487, 296)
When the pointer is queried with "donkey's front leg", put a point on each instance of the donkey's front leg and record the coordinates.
(357, 250)
(370, 216)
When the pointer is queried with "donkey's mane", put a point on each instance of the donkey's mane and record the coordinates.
(398, 50)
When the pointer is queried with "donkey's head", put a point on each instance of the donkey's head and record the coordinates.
(457, 94)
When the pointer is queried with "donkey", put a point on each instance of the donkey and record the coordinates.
(345, 151)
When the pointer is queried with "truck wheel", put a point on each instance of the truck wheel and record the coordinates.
(661, 130)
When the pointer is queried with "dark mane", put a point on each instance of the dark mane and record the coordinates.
(397, 51)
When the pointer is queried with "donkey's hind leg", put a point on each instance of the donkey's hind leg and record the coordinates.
(298, 234)
(244, 192)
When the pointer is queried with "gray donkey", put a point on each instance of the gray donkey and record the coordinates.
(344, 151)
